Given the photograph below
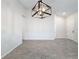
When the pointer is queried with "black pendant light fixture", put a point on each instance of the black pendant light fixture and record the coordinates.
(41, 10)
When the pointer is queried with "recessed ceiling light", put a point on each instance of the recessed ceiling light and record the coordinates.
(64, 13)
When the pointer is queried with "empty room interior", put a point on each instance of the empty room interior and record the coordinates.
(39, 29)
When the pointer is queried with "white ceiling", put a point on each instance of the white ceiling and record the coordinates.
(68, 6)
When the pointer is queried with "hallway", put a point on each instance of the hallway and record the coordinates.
(45, 49)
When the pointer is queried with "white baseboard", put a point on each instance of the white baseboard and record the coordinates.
(10, 50)
(39, 39)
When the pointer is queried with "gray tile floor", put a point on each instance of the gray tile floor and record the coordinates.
(45, 49)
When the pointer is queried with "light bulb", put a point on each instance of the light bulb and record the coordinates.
(40, 12)
(43, 9)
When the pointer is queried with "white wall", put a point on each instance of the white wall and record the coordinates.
(11, 25)
(72, 27)
(39, 29)
(47, 29)
(44, 29)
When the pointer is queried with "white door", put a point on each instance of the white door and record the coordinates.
(72, 28)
